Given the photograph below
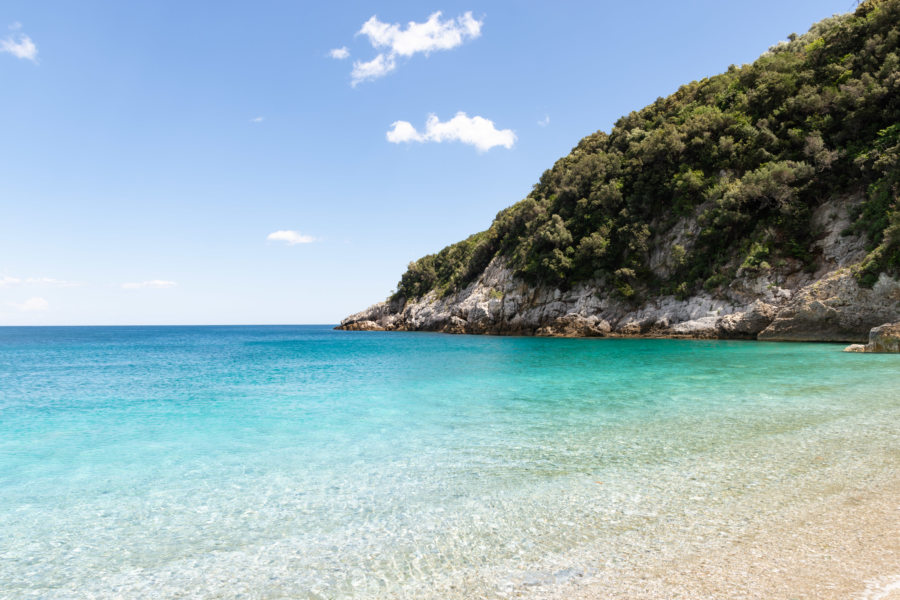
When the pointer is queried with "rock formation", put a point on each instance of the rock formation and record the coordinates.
(775, 304)
(882, 339)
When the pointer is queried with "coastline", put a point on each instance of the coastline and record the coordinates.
(828, 307)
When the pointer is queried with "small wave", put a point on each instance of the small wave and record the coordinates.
(881, 588)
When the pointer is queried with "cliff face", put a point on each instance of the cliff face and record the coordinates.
(834, 309)
(758, 203)
(787, 303)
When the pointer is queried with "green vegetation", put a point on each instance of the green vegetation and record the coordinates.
(749, 154)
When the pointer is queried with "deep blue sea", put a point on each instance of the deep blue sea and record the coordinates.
(301, 462)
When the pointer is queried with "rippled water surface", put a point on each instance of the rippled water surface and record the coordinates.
(300, 462)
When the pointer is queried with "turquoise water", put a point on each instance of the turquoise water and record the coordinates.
(301, 462)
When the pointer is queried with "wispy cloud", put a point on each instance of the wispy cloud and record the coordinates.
(417, 38)
(545, 121)
(51, 282)
(19, 44)
(339, 53)
(41, 281)
(475, 131)
(153, 284)
(290, 237)
(31, 305)
(257, 119)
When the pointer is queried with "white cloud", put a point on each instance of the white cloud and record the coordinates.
(6, 280)
(545, 121)
(379, 66)
(403, 131)
(425, 38)
(19, 44)
(153, 283)
(476, 131)
(32, 304)
(257, 119)
(291, 237)
(339, 53)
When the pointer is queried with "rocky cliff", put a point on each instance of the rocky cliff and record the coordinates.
(784, 303)
(760, 203)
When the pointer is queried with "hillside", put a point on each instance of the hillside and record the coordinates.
(761, 201)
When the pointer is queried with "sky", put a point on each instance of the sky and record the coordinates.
(223, 162)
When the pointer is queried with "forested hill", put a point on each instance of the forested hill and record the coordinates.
(748, 155)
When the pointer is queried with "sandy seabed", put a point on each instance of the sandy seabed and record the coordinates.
(842, 546)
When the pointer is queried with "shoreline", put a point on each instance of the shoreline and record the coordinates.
(609, 336)
(834, 537)
(882, 339)
(829, 307)
(820, 525)
(839, 547)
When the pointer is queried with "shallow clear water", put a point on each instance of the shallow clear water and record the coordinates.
(300, 462)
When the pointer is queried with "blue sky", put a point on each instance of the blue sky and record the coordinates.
(151, 149)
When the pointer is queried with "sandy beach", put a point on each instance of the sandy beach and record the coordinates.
(845, 545)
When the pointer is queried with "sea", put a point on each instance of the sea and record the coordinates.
(303, 462)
